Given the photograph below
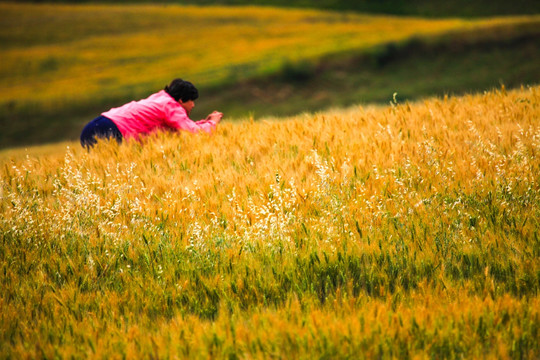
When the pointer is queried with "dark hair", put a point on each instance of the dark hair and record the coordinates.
(182, 90)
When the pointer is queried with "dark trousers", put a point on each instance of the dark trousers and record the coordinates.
(100, 127)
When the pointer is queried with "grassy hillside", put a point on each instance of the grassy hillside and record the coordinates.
(467, 8)
(60, 69)
(409, 230)
(461, 8)
(453, 64)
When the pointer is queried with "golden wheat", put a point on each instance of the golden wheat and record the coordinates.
(402, 231)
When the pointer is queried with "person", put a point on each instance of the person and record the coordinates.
(169, 109)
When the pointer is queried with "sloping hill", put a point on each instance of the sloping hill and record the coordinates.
(459, 8)
(452, 64)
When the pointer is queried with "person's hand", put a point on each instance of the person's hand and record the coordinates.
(215, 116)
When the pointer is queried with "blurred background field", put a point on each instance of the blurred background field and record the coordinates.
(459, 8)
(63, 64)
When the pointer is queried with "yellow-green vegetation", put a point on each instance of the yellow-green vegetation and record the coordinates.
(56, 56)
(402, 231)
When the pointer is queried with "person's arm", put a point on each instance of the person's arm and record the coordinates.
(214, 118)
(177, 118)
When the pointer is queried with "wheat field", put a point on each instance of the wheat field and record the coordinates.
(401, 231)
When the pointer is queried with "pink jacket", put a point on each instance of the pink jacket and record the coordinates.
(158, 111)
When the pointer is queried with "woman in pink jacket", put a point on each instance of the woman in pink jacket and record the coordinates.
(167, 109)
